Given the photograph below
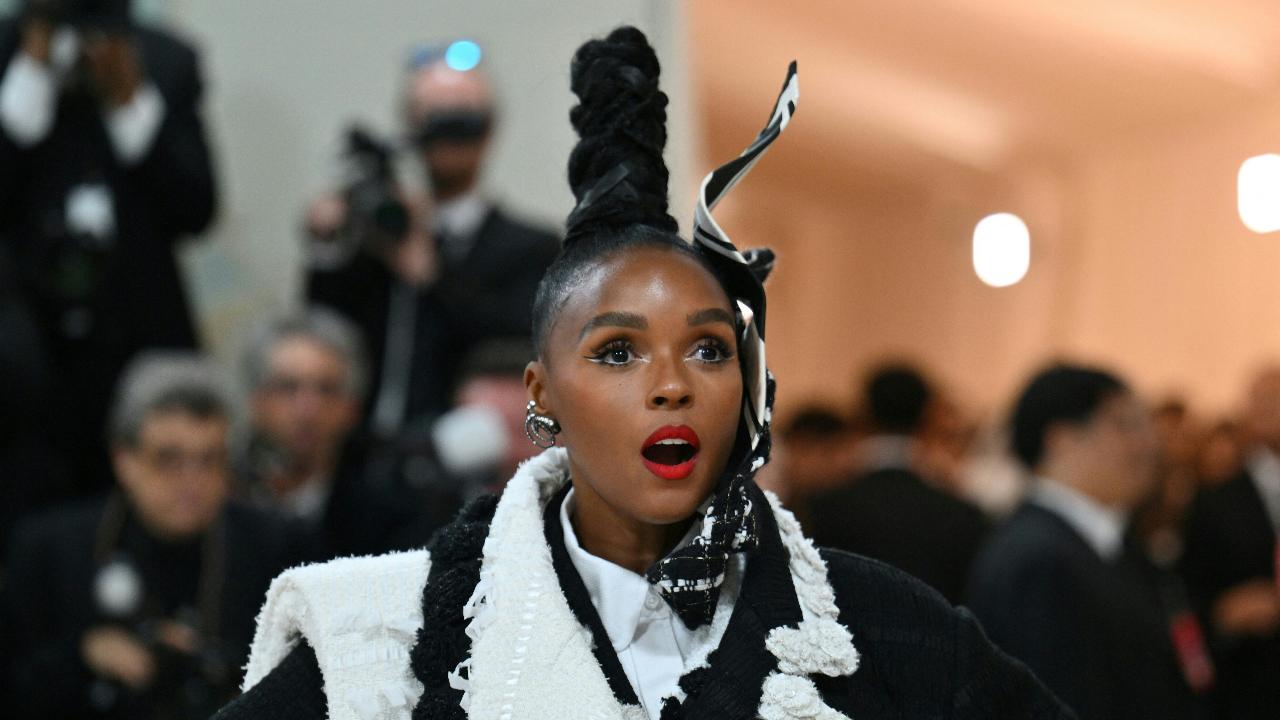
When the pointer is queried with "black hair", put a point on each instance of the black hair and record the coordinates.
(1062, 393)
(616, 170)
(896, 397)
(816, 422)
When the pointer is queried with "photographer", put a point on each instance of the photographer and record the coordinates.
(103, 166)
(306, 377)
(427, 287)
(141, 605)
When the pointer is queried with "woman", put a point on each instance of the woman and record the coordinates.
(636, 571)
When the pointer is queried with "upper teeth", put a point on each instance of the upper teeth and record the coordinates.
(672, 441)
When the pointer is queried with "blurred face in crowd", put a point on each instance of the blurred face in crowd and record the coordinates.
(305, 406)
(176, 477)
(506, 396)
(453, 165)
(641, 372)
(811, 463)
(1262, 409)
(1112, 457)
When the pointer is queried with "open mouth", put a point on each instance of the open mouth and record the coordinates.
(671, 452)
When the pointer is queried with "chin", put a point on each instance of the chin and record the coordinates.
(672, 503)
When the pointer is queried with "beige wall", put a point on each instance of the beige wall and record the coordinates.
(1139, 260)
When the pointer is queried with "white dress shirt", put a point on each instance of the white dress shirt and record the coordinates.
(651, 642)
(1264, 470)
(458, 221)
(1102, 527)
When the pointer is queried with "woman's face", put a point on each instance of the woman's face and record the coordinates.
(641, 372)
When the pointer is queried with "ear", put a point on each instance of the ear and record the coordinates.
(535, 383)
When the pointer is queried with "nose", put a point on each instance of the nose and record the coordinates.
(671, 389)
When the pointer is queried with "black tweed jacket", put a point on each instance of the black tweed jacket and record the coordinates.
(920, 657)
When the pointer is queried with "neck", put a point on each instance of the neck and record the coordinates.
(298, 473)
(444, 189)
(623, 541)
(1080, 480)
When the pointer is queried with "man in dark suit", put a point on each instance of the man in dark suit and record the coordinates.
(307, 377)
(1057, 586)
(1230, 564)
(142, 604)
(466, 275)
(888, 511)
(103, 167)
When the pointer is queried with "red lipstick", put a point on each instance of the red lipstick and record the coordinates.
(671, 452)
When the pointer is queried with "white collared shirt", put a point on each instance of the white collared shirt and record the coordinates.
(650, 640)
(1102, 527)
(1264, 470)
(459, 220)
(887, 451)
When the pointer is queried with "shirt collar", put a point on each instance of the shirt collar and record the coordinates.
(1101, 527)
(887, 451)
(1264, 471)
(618, 594)
(461, 216)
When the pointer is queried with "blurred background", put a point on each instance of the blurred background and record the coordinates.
(970, 191)
(1114, 130)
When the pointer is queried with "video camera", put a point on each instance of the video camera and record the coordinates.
(375, 214)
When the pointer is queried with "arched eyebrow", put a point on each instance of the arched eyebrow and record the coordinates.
(614, 319)
(711, 315)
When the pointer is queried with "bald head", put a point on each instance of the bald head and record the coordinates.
(1262, 407)
(449, 114)
(436, 88)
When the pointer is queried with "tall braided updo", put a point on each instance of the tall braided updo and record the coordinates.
(616, 170)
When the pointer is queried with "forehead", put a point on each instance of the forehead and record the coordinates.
(294, 352)
(437, 86)
(1122, 405)
(181, 427)
(645, 281)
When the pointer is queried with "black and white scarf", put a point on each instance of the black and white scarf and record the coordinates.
(689, 578)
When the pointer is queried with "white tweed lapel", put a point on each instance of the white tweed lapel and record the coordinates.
(529, 656)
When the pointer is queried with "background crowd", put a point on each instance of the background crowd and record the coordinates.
(1123, 546)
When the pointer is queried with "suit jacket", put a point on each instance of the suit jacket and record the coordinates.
(49, 600)
(487, 294)
(1230, 540)
(138, 300)
(893, 515)
(1093, 631)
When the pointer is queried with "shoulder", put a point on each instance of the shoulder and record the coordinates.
(171, 62)
(516, 229)
(71, 524)
(867, 588)
(340, 575)
(165, 43)
(918, 648)
(1231, 494)
(321, 601)
(1032, 535)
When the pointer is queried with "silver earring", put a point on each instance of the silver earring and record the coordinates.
(541, 429)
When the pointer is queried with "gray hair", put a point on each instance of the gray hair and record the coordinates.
(319, 325)
(164, 382)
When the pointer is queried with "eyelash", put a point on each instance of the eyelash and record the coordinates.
(601, 355)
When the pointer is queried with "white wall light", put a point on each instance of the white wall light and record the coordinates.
(1001, 249)
(1258, 193)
